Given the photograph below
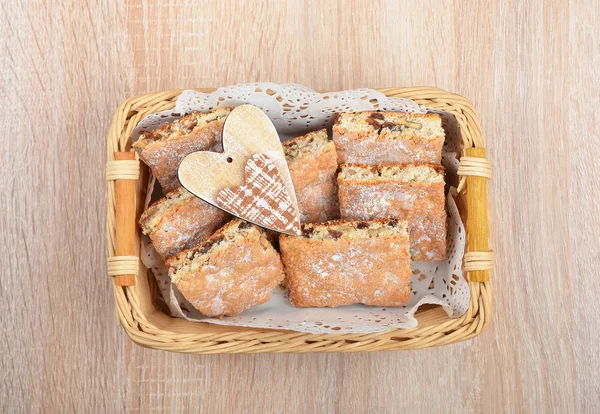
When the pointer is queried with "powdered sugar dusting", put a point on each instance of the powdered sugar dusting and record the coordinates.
(440, 283)
(422, 205)
(430, 285)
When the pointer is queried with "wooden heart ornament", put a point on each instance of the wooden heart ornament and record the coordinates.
(264, 199)
(250, 178)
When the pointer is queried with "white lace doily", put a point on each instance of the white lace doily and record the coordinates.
(295, 109)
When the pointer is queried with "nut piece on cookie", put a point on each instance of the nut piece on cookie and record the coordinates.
(164, 149)
(312, 162)
(414, 193)
(375, 138)
(180, 221)
(231, 271)
(346, 262)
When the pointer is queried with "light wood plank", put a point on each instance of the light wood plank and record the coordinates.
(529, 68)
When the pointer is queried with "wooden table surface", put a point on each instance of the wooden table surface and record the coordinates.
(530, 67)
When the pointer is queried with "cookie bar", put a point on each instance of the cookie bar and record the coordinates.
(409, 192)
(180, 221)
(234, 269)
(164, 149)
(346, 262)
(312, 161)
(375, 138)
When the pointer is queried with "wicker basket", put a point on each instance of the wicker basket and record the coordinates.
(150, 327)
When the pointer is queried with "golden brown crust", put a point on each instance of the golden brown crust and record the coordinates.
(231, 271)
(377, 168)
(422, 204)
(164, 149)
(309, 229)
(313, 173)
(204, 246)
(180, 221)
(346, 269)
(377, 138)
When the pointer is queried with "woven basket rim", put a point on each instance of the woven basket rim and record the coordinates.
(146, 328)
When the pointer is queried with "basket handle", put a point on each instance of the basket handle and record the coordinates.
(479, 260)
(124, 171)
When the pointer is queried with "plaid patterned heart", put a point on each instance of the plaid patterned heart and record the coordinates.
(264, 199)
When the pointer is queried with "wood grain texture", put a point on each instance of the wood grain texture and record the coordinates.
(529, 68)
(125, 220)
(477, 195)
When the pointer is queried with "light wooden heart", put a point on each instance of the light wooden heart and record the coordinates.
(247, 131)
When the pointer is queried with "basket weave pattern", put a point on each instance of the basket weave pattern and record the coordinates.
(150, 327)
